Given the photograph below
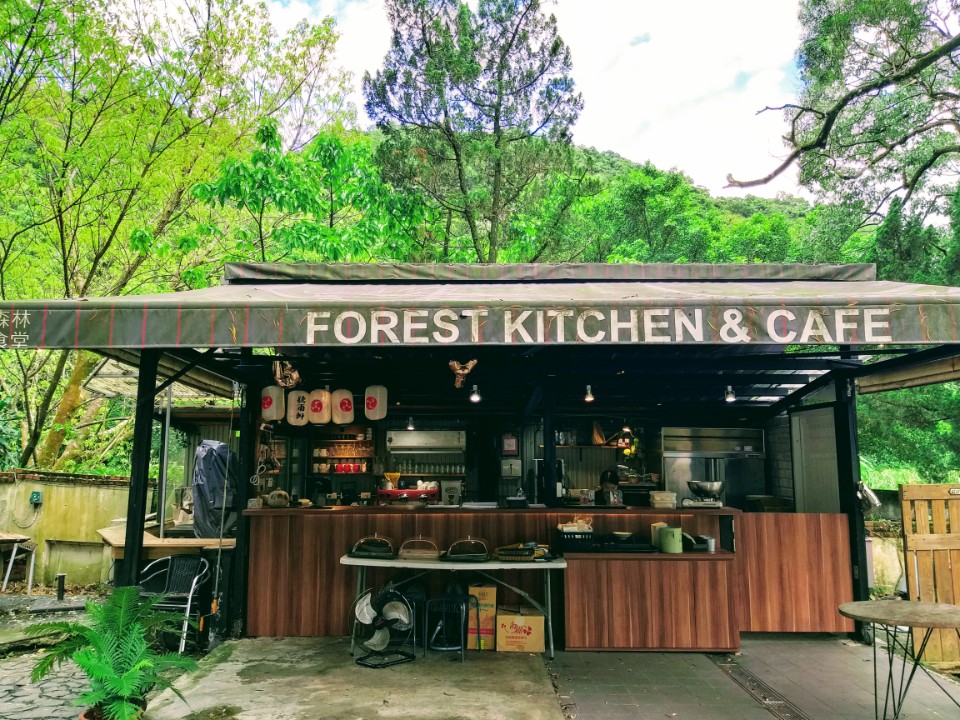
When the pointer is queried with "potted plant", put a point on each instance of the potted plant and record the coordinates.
(114, 648)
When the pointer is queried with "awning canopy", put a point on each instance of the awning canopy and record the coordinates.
(331, 305)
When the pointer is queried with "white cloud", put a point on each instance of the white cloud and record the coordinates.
(678, 84)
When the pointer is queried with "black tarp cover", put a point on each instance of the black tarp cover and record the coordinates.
(215, 477)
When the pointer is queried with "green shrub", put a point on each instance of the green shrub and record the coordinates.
(114, 648)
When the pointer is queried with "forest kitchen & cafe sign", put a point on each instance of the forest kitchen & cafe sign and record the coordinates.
(52, 325)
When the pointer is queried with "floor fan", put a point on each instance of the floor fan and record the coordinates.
(382, 625)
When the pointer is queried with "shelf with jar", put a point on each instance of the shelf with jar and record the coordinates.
(419, 474)
(420, 469)
(337, 451)
(336, 466)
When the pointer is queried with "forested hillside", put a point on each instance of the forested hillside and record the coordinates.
(143, 147)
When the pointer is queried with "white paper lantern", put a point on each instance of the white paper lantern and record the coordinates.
(342, 401)
(375, 402)
(297, 407)
(318, 407)
(271, 403)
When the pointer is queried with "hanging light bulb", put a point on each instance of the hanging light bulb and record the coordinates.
(589, 396)
(729, 395)
(475, 395)
(410, 423)
(626, 428)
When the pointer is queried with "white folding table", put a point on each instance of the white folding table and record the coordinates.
(21, 543)
(480, 568)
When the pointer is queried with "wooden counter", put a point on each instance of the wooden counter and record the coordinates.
(298, 588)
(651, 602)
(790, 572)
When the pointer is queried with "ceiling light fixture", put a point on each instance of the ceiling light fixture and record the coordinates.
(589, 396)
(626, 428)
(475, 395)
(410, 423)
(730, 396)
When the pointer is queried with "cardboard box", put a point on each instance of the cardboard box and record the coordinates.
(519, 629)
(487, 596)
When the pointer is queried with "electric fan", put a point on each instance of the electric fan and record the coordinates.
(382, 625)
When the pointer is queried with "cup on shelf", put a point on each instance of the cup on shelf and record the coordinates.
(355, 467)
(338, 467)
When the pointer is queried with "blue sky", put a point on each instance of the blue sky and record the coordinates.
(678, 84)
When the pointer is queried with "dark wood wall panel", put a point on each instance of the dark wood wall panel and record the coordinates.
(795, 571)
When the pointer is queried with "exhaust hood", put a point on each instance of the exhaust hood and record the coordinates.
(426, 441)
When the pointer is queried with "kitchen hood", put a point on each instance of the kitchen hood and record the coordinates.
(426, 441)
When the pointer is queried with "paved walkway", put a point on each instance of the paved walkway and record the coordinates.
(816, 677)
(50, 699)
(801, 677)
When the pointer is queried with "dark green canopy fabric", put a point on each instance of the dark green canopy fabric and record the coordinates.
(417, 305)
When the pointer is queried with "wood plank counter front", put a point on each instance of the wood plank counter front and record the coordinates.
(298, 588)
(691, 601)
(651, 602)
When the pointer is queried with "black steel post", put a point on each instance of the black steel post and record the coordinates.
(550, 497)
(247, 452)
(129, 570)
(848, 472)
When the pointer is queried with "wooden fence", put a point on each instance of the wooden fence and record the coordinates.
(931, 543)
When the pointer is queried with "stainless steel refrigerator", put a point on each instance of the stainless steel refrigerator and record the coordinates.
(734, 455)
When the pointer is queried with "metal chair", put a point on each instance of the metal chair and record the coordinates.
(449, 606)
(177, 579)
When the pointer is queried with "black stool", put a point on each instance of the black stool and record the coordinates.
(449, 606)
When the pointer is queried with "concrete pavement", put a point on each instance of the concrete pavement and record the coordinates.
(802, 677)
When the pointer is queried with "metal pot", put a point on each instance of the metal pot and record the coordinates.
(707, 489)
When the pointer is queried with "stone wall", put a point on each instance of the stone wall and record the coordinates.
(65, 525)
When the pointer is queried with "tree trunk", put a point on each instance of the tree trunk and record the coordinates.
(43, 409)
(69, 402)
(87, 426)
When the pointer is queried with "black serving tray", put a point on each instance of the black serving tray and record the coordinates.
(618, 547)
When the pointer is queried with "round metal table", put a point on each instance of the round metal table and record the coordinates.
(898, 619)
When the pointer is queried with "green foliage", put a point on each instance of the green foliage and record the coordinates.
(876, 115)
(911, 434)
(650, 215)
(109, 114)
(113, 649)
(9, 434)
(326, 202)
(464, 100)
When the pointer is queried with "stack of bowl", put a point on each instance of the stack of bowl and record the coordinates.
(663, 500)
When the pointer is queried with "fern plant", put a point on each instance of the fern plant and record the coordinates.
(114, 648)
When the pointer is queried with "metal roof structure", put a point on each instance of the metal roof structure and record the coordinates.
(664, 339)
